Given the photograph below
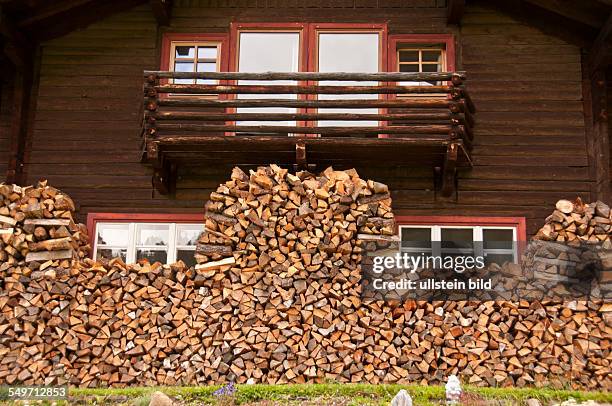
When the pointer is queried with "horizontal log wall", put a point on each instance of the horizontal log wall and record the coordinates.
(6, 99)
(529, 139)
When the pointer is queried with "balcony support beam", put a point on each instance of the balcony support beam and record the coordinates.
(449, 170)
(454, 11)
(162, 11)
(300, 154)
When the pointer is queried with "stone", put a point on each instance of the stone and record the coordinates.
(402, 399)
(160, 399)
(533, 402)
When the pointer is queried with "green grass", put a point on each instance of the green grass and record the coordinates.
(320, 394)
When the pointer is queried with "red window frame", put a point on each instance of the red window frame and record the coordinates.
(518, 222)
(447, 39)
(169, 38)
(94, 218)
(308, 44)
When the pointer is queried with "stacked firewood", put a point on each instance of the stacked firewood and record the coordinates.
(37, 225)
(274, 220)
(572, 253)
(112, 324)
(277, 298)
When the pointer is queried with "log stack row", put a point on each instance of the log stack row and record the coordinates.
(112, 324)
(37, 226)
(276, 297)
(572, 253)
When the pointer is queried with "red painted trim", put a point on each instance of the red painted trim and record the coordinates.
(94, 218)
(518, 222)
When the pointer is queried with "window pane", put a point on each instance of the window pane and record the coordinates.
(152, 255)
(269, 51)
(263, 52)
(207, 52)
(430, 68)
(349, 52)
(431, 56)
(152, 234)
(187, 234)
(409, 68)
(185, 52)
(498, 259)
(110, 253)
(416, 237)
(457, 238)
(113, 234)
(409, 56)
(497, 239)
(187, 256)
(207, 67)
(183, 66)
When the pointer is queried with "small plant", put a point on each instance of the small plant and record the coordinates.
(226, 395)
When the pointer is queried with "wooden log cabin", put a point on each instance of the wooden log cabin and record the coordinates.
(479, 115)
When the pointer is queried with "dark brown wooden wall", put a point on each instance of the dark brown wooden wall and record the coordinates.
(530, 141)
(6, 97)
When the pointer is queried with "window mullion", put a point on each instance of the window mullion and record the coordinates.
(171, 258)
(131, 248)
(478, 241)
(436, 240)
(95, 242)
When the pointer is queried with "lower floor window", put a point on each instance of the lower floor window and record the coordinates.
(161, 242)
(497, 244)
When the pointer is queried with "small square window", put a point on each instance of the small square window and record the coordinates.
(195, 57)
(420, 58)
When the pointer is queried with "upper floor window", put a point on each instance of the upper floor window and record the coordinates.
(195, 57)
(195, 53)
(423, 58)
(424, 53)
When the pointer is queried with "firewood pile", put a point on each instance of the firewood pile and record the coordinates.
(572, 253)
(276, 298)
(37, 226)
(112, 324)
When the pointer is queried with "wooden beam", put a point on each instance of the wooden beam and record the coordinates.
(15, 45)
(454, 11)
(449, 170)
(594, 87)
(62, 20)
(600, 54)
(25, 89)
(53, 10)
(162, 11)
(18, 132)
(548, 22)
(300, 154)
(581, 11)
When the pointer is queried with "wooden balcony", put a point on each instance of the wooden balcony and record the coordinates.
(306, 119)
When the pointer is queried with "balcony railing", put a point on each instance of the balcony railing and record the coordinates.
(343, 110)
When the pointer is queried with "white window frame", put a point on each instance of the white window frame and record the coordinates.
(477, 237)
(172, 248)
